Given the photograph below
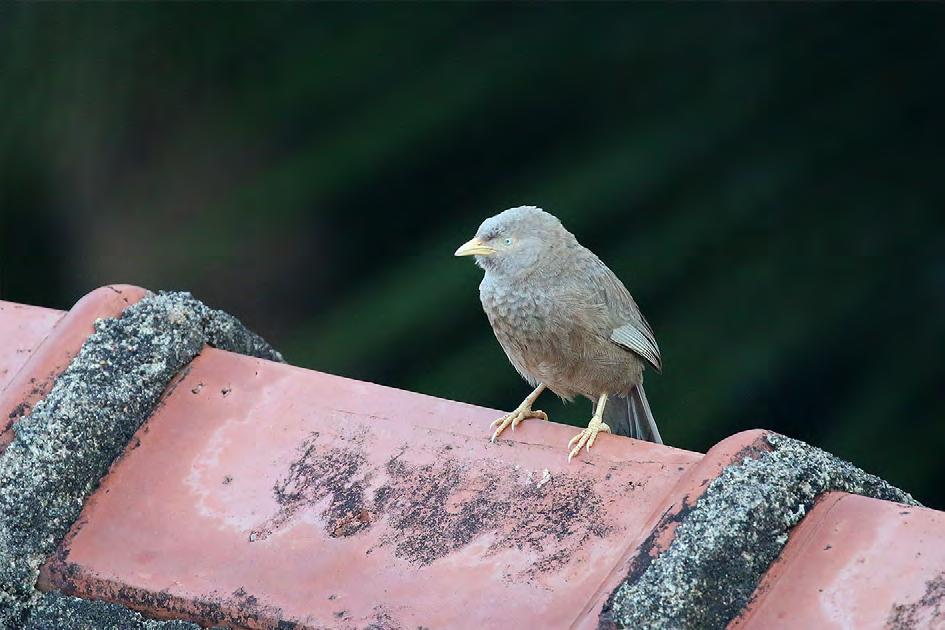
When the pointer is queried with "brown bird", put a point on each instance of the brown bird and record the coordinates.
(566, 323)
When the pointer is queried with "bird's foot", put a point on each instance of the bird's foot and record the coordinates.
(587, 436)
(514, 418)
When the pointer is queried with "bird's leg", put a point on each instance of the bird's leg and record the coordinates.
(595, 426)
(523, 411)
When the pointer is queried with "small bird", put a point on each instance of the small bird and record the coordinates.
(566, 323)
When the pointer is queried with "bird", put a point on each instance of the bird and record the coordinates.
(566, 323)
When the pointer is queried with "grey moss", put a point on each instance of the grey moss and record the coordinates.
(724, 544)
(54, 611)
(63, 448)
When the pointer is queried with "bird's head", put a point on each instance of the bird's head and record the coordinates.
(516, 240)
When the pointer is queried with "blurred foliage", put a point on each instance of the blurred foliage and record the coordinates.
(767, 180)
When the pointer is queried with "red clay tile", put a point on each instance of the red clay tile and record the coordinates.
(259, 492)
(855, 562)
(54, 346)
(22, 328)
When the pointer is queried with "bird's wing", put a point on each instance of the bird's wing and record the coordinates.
(599, 304)
(631, 330)
(638, 340)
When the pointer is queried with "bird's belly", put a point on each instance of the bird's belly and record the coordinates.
(546, 348)
(591, 369)
(521, 348)
(592, 374)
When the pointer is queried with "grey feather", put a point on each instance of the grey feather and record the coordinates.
(631, 416)
(632, 338)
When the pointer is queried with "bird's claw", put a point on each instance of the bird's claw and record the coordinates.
(514, 418)
(587, 437)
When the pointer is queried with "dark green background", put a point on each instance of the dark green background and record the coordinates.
(767, 180)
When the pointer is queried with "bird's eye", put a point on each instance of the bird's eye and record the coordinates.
(508, 241)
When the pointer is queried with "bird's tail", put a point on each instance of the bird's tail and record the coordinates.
(631, 416)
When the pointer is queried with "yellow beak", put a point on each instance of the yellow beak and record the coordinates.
(474, 247)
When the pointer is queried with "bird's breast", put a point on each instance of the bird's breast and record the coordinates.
(516, 311)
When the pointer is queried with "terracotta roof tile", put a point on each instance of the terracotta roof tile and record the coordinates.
(22, 328)
(856, 562)
(266, 492)
(262, 495)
